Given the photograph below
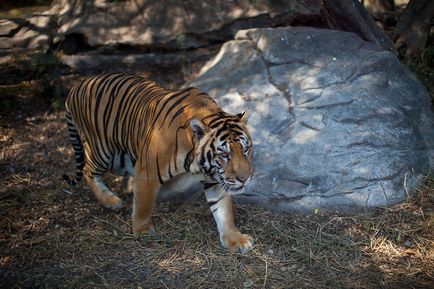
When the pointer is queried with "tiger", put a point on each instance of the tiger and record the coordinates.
(131, 126)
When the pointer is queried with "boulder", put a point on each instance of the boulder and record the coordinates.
(337, 122)
(187, 24)
(131, 36)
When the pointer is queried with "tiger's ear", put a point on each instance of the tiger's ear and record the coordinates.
(243, 116)
(198, 127)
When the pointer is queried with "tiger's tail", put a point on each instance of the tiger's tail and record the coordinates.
(78, 150)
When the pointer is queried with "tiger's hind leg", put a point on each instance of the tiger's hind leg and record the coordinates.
(105, 196)
(127, 185)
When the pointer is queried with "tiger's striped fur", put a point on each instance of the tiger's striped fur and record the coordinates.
(131, 126)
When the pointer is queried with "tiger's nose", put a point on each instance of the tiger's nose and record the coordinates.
(243, 178)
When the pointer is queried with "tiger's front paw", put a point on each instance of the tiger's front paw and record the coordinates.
(236, 241)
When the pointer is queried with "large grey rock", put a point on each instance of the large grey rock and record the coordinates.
(337, 123)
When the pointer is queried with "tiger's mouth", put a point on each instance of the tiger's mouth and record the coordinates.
(233, 189)
(236, 191)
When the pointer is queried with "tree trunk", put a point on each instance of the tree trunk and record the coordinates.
(412, 32)
(350, 15)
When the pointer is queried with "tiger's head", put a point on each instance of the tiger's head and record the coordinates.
(223, 150)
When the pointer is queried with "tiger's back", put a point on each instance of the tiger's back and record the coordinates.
(117, 115)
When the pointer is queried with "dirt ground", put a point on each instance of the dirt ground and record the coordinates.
(56, 236)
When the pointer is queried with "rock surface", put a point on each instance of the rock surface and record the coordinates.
(187, 24)
(337, 123)
(79, 25)
(35, 31)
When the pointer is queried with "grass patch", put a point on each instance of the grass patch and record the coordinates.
(16, 196)
(79, 244)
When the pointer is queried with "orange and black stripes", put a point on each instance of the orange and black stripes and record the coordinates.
(117, 114)
(116, 120)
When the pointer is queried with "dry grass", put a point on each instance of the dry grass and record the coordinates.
(53, 236)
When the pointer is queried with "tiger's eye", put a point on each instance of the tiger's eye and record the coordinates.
(224, 155)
